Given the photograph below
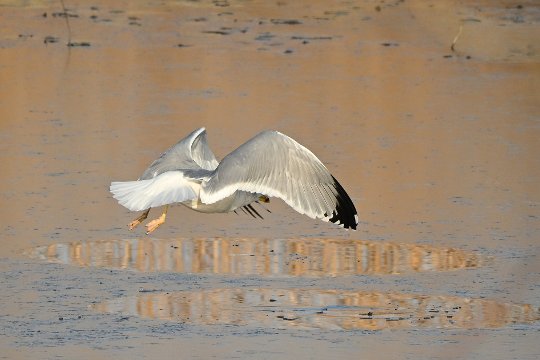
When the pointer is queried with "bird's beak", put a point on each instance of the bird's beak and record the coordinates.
(264, 199)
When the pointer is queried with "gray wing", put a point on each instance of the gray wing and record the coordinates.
(190, 153)
(273, 164)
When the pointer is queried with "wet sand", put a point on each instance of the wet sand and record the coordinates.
(436, 147)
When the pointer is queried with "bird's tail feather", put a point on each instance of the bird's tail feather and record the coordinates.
(167, 188)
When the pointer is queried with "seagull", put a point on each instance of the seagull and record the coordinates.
(270, 164)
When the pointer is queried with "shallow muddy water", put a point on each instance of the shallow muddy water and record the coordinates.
(436, 147)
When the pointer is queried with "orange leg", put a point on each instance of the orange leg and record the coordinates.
(132, 225)
(154, 224)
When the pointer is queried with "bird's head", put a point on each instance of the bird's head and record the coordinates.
(264, 199)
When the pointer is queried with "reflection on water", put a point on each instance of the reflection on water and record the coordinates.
(328, 309)
(269, 257)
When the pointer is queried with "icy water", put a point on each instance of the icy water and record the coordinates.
(438, 148)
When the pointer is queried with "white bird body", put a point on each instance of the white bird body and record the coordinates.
(270, 164)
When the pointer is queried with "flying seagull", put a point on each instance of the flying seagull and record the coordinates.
(270, 164)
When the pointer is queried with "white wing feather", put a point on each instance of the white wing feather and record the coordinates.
(273, 164)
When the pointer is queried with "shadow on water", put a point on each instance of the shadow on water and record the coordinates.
(326, 309)
(267, 257)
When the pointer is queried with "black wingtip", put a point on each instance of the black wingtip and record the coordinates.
(345, 213)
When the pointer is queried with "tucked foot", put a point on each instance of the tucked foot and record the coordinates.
(154, 224)
(132, 225)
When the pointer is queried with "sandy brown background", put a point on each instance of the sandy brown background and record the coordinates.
(437, 148)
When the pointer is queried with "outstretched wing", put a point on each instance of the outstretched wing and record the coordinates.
(192, 152)
(273, 164)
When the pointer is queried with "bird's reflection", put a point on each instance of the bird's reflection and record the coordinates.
(312, 308)
(266, 257)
